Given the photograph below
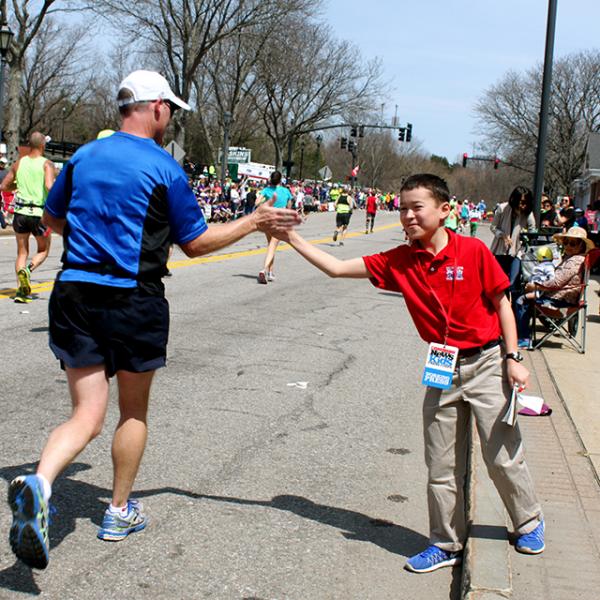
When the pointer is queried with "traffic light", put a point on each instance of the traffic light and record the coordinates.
(361, 131)
(401, 134)
(343, 143)
(353, 131)
(408, 132)
(351, 145)
(496, 162)
(465, 157)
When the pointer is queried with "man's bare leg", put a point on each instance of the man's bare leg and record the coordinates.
(22, 251)
(43, 249)
(89, 394)
(130, 436)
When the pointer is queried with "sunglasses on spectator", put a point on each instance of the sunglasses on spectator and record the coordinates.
(571, 242)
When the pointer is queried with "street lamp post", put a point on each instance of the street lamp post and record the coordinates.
(226, 124)
(6, 36)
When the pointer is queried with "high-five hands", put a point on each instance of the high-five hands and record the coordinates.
(275, 221)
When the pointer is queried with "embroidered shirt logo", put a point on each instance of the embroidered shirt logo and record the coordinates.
(455, 273)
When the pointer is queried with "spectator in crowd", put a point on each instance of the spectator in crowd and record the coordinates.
(565, 217)
(548, 213)
(564, 289)
(510, 219)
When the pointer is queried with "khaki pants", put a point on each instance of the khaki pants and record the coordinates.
(479, 386)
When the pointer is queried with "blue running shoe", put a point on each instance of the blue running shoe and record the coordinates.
(533, 542)
(29, 532)
(116, 528)
(524, 343)
(431, 559)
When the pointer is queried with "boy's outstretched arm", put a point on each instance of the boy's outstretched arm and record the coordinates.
(330, 265)
(517, 373)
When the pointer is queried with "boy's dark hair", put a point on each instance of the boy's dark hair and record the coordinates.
(518, 194)
(436, 186)
(275, 178)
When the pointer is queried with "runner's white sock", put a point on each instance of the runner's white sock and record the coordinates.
(46, 487)
(119, 510)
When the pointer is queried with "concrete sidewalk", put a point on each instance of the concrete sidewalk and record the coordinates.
(563, 454)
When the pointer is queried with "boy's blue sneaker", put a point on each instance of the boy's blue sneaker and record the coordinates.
(29, 532)
(533, 542)
(431, 559)
(116, 527)
(523, 343)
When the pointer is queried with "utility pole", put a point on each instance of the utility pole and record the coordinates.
(318, 139)
(289, 163)
(540, 156)
(302, 143)
(226, 124)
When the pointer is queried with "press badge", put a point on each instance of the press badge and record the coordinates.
(440, 365)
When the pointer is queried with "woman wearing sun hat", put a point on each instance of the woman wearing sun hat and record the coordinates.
(564, 288)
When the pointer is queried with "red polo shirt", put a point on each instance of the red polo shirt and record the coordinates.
(460, 280)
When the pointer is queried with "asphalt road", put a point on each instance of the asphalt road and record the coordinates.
(257, 489)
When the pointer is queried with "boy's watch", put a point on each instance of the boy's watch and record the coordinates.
(516, 356)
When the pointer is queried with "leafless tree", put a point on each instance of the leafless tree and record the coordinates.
(26, 18)
(508, 116)
(306, 78)
(55, 79)
(180, 34)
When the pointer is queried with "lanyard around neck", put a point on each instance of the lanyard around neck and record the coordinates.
(445, 313)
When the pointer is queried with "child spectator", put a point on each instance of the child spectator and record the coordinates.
(455, 292)
(543, 272)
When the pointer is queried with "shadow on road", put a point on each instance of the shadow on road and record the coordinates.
(74, 499)
(353, 525)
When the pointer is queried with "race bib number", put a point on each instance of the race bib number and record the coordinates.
(440, 365)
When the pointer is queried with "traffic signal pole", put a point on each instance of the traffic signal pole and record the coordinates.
(540, 156)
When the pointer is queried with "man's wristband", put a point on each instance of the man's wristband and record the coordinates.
(516, 356)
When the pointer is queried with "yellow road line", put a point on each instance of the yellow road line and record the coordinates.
(46, 286)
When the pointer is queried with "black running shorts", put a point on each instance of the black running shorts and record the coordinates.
(342, 219)
(124, 329)
(28, 224)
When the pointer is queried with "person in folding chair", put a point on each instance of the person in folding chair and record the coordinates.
(558, 297)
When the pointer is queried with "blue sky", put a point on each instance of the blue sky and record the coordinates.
(440, 55)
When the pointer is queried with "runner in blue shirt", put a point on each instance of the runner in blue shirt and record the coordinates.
(119, 204)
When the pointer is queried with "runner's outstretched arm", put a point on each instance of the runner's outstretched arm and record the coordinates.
(354, 268)
(274, 221)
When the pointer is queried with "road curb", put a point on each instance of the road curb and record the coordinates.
(486, 565)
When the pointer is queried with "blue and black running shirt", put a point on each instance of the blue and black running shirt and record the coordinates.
(125, 201)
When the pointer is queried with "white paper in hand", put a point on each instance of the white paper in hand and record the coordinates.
(510, 418)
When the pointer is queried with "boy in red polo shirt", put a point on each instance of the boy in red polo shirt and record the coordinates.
(454, 291)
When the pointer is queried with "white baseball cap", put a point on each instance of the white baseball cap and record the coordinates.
(147, 86)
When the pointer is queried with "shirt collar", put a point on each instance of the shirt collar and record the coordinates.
(448, 251)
